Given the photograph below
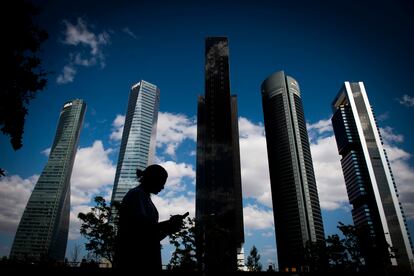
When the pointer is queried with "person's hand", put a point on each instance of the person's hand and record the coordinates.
(176, 223)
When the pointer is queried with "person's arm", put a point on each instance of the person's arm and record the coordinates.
(164, 227)
(174, 224)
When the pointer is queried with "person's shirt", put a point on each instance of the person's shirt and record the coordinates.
(137, 207)
(139, 231)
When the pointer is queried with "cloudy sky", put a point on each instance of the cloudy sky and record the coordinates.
(97, 51)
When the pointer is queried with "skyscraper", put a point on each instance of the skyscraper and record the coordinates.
(377, 213)
(138, 138)
(43, 230)
(295, 199)
(219, 210)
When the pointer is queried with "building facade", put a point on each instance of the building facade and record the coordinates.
(377, 212)
(138, 137)
(43, 230)
(296, 208)
(219, 210)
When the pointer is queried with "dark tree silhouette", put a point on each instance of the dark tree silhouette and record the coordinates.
(253, 260)
(21, 73)
(351, 244)
(338, 258)
(344, 254)
(100, 229)
(184, 256)
(316, 256)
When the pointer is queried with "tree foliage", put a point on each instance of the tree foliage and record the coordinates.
(253, 260)
(316, 256)
(351, 243)
(184, 256)
(21, 73)
(100, 229)
(344, 253)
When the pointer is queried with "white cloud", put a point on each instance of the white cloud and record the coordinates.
(328, 173)
(92, 171)
(404, 178)
(248, 129)
(79, 60)
(268, 234)
(406, 100)
(129, 32)
(383, 116)
(327, 166)
(67, 75)
(173, 129)
(168, 206)
(394, 153)
(400, 166)
(74, 222)
(119, 121)
(93, 174)
(389, 136)
(46, 152)
(319, 129)
(254, 163)
(14, 193)
(257, 218)
(80, 36)
(176, 174)
(321, 126)
(117, 128)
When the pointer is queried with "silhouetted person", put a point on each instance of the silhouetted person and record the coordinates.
(140, 232)
(270, 268)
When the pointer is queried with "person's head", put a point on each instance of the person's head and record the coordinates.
(153, 178)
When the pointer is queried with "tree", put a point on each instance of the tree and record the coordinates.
(253, 263)
(351, 244)
(338, 258)
(21, 73)
(100, 229)
(315, 256)
(344, 254)
(184, 256)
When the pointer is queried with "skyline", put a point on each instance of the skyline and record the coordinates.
(322, 48)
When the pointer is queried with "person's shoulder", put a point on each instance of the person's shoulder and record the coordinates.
(134, 192)
(138, 190)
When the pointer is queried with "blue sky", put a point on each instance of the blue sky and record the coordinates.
(97, 51)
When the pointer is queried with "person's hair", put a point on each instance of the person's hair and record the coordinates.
(152, 171)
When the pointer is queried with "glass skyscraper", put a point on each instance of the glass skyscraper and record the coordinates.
(43, 230)
(219, 209)
(138, 138)
(377, 213)
(296, 209)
